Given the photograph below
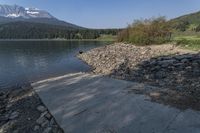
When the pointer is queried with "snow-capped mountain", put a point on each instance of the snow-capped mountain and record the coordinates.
(15, 11)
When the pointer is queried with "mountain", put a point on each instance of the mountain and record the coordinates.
(15, 13)
(186, 22)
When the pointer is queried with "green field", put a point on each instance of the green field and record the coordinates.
(107, 38)
(188, 42)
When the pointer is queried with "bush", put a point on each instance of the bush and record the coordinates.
(145, 32)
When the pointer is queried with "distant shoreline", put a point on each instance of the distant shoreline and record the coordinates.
(1, 40)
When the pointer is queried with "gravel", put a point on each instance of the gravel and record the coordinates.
(175, 72)
(22, 111)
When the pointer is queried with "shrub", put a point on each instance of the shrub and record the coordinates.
(145, 32)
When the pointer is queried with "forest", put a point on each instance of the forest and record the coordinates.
(27, 30)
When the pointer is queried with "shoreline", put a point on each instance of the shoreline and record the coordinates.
(143, 64)
(171, 69)
(4, 40)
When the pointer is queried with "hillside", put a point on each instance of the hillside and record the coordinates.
(49, 21)
(187, 22)
(193, 18)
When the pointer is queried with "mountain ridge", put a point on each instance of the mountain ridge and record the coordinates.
(16, 13)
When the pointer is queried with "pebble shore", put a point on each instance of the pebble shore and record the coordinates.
(174, 71)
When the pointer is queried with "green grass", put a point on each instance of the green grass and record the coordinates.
(188, 42)
(107, 38)
(187, 38)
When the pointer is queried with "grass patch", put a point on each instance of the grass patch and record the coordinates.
(188, 42)
(107, 38)
(187, 38)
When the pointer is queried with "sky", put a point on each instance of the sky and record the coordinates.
(109, 13)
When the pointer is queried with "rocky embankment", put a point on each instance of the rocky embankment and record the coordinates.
(175, 72)
(21, 111)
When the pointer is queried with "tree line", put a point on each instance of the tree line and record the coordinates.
(26, 30)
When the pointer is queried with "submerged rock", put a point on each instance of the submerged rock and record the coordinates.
(80, 52)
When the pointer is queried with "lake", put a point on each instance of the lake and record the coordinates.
(28, 61)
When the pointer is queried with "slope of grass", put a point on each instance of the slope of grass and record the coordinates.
(188, 42)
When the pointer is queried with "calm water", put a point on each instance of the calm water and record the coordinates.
(22, 62)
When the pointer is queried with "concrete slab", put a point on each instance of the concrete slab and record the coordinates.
(186, 122)
(85, 103)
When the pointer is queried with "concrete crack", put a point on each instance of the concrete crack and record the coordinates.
(167, 127)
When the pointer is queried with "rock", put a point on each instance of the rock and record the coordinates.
(47, 130)
(52, 122)
(188, 67)
(16, 131)
(160, 75)
(13, 115)
(41, 120)
(2, 93)
(184, 60)
(41, 108)
(56, 130)
(48, 116)
(166, 62)
(43, 114)
(196, 72)
(3, 97)
(4, 119)
(80, 52)
(45, 123)
(155, 94)
(195, 64)
(36, 128)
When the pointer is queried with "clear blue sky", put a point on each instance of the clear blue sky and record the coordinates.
(110, 13)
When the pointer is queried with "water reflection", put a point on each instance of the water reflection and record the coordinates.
(22, 62)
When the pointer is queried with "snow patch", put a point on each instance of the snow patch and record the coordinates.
(31, 8)
(13, 15)
(32, 12)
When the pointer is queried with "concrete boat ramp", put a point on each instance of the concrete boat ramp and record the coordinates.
(86, 103)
